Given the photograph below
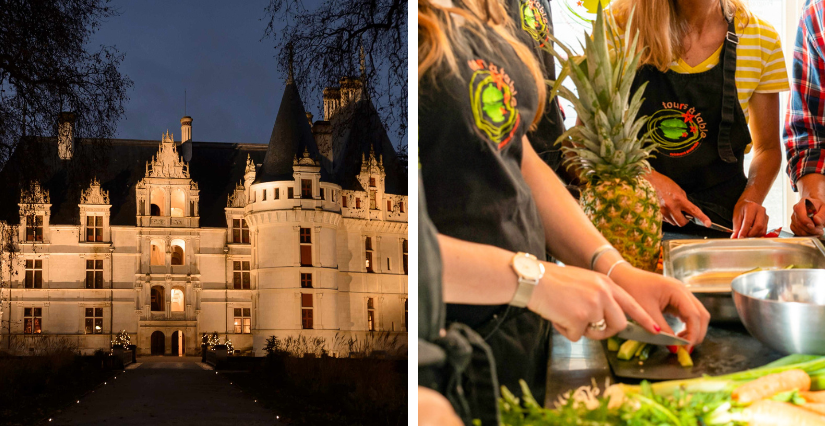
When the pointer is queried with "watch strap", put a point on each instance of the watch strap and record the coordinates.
(524, 292)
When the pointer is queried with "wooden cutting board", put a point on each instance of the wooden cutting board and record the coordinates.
(726, 349)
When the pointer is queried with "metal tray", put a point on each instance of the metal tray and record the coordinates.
(709, 266)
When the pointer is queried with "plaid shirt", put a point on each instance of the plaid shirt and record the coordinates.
(804, 134)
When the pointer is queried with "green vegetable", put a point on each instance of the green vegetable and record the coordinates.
(639, 351)
(789, 267)
(628, 349)
(613, 344)
(646, 352)
(790, 396)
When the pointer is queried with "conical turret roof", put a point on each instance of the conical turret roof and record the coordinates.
(291, 134)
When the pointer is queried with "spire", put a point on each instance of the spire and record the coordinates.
(289, 78)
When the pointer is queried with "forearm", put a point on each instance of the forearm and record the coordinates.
(761, 174)
(571, 236)
(476, 274)
(812, 185)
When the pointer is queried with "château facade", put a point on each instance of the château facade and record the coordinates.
(168, 239)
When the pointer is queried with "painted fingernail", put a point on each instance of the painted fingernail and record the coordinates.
(673, 349)
(657, 328)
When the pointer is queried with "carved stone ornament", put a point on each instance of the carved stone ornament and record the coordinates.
(237, 198)
(305, 160)
(35, 194)
(167, 162)
(94, 195)
(250, 165)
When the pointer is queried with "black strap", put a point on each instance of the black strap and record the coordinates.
(729, 94)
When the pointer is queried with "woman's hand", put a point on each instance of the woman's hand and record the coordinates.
(573, 298)
(435, 410)
(749, 219)
(673, 200)
(658, 294)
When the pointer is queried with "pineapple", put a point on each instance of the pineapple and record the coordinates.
(606, 151)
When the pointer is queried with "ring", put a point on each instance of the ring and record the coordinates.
(598, 326)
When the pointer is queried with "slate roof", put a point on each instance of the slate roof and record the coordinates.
(291, 134)
(119, 164)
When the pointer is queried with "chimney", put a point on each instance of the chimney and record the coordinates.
(65, 135)
(186, 138)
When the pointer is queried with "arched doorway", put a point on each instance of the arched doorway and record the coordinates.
(158, 343)
(178, 343)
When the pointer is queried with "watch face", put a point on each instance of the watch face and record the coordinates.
(528, 267)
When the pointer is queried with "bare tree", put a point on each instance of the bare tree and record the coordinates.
(45, 68)
(327, 41)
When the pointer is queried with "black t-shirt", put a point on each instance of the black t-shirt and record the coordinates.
(471, 127)
(533, 21)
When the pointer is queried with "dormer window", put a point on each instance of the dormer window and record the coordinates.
(34, 228)
(157, 202)
(178, 203)
(373, 202)
(94, 228)
(306, 188)
(240, 231)
(372, 182)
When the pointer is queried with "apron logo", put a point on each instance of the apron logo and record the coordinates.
(582, 12)
(534, 21)
(493, 99)
(678, 129)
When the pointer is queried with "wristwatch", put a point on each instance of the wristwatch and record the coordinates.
(529, 270)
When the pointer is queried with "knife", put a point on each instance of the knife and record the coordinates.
(635, 332)
(713, 226)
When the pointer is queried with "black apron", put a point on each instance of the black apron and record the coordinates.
(471, 125)
(702, 132)
(534, 23)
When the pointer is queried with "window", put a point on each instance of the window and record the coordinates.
(306, 311)
(192, 208)
(243, 321)
(264, 196)
(240, 272)
(94, 320)
(34, 228)
(321, 190)
(32, 320)
(94, 228)
(94, 273)
(290, 192)
(370, 314)
(306, 247)
(306, 280)
(178, 252)
(157, 299)
(389, 265)
(177, 300)
(389, 205)
(34, 273)
(157, 202)
(277, 193)
(142, 208)
(357, 203)
(372, 182)
(401, 206)
(373, 205)
(404, 250)
(368, 254)
(306, 188)
(343, 201)
(178, 203)
(157, 256)
(240, 231)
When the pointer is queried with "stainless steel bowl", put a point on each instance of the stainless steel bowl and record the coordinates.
(784, 309)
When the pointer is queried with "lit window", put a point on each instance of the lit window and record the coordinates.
(240, 231)
(240, 271)
(94, 228)
(306, 311)
(370, 314)
(306, 247)
(94, 320)
(157, 202)
(34, 228)
(178, 203)
(368, 254)
(306, 188)
(34, 273)
(157, 256)
(243, 321)
(306, 280)
(177, 300)
(178, 252)
(32, 320)
(94, 273)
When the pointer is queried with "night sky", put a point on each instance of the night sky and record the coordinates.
(214, 50)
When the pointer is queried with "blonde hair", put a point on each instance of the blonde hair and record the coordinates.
(439, 43)
(661, 29)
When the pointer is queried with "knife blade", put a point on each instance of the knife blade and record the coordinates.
(635, 332)
(714, 226)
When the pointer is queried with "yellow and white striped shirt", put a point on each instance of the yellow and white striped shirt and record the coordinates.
(760, 64)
